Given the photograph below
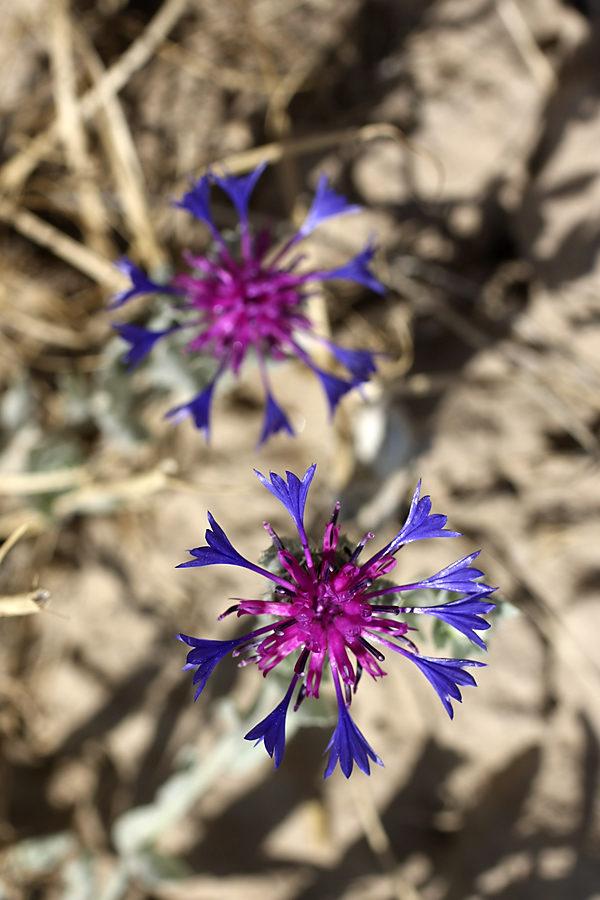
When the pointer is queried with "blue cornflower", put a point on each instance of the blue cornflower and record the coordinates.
(255, 302)
(325, 603)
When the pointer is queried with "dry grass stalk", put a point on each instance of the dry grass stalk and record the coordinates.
(245, 160)
(40, 330)
(15, 172)
(34, 520)
(122, 155)
(277, 121)
(107, 496)
(70, 125)
(76, 254)
(206, 70)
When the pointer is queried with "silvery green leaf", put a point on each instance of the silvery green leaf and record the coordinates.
(40, 854)
(151, 867)
(79, 879)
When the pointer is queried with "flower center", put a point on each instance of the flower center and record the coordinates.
(247, 305)
(331, 603)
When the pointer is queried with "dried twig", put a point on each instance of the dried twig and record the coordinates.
(24, 604)
(18, 483)
(20, 604)
(245, 160)
(520, 32)
(10, 541)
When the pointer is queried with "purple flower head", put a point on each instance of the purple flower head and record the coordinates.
(251, 302)
(327, 613)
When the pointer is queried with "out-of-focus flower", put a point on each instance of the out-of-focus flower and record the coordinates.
(254, 301)
(330, 608)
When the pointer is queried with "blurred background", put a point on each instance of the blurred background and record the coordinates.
(469, 132)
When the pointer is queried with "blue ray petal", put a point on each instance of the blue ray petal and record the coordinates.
(445, 675)
(239, 189)
(463, 614)
(220, 551)
(140, 284)
(326, 204)
(356, 269)
(420, 524)
(348, 746)
(205, 655)
(272, 729)
(292, 493)
(141, 340)
(335, 388)
(459, 577)
(198, 408)
(197, 201)
(361, 363)
(275, 420)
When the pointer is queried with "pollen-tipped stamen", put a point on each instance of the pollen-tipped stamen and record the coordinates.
(361, 546)
(328, 570)
(300, 666)
(273, 535)
(256, 638)
(335, 514)
(228, 612)
(360, 586)
(369, 647)
(359, 672)
(348, 694)
(246, 662)
(302, 693)
(280, 630)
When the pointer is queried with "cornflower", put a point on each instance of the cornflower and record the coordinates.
(251, 302)
(329, 608)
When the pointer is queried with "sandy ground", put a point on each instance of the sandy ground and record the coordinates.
(469, 132)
